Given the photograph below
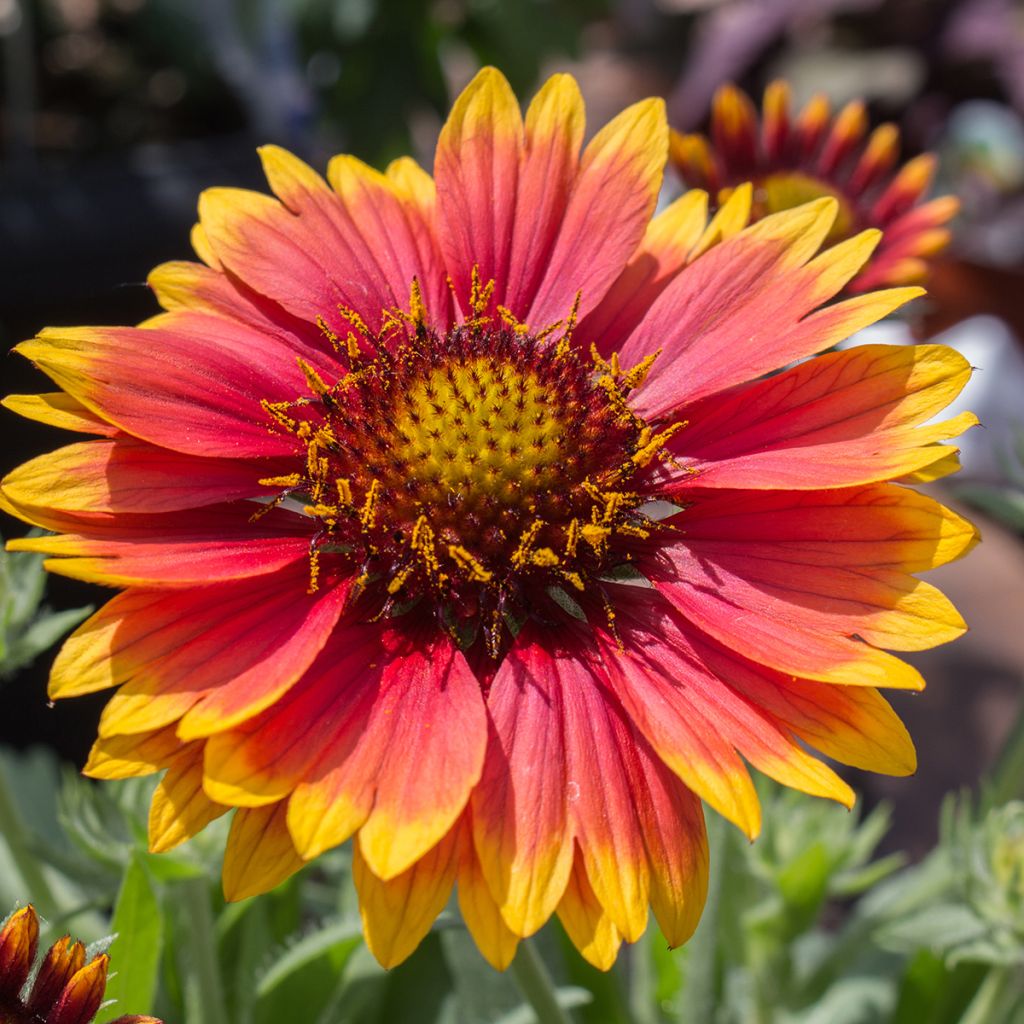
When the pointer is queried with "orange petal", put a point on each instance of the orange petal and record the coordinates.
(609, 210)
(476, 168)
(260, 854)
(520, 811)
(587, 923)
(495, 940)
(58, 409)
(180, 808)
(397, 914)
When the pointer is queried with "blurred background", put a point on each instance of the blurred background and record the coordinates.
(116, 113)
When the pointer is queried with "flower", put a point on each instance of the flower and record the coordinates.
(790, 161)
(468, 516)
(65, 990)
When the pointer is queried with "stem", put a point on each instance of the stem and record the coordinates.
(989, 1003)
(18, 840)
(641, 981)
(701, 965)
(204, 997)
(536, 984)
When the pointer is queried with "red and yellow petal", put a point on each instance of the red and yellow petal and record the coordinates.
(180, 808)
(394, 774)
(521, 825)
(613, 198)
(262, 759)
(193, 385)
(260, 853)
(854, 725)
(129, 755)
(82, 995)
(697, 724)
(844, 418)
(603, 799)
(221, 653)
(57, 409)
(586, 921)
(126, 475)
(553, 134)
(19, 940)
(753, 572)
(661, 255)
(279, 255)
(495, 940)
(476, 168)
(398, 913)
(380, 212)
(183, 286)
(756, 286)
(167, 550)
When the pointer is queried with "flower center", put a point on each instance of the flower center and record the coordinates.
(477, 470)
(482, 429)
(784, 190)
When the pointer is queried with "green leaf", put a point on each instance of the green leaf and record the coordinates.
(803, 883)
(339, 938)
(859, 999)
(25, 629)
(940, 927)
(1004, 504)
(483, 994)
(569, 997)
(138, 925)
(922, 989)
(41, 634)
(417, 990)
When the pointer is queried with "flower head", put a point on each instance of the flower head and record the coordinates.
(791, 160)
(468, 516)
(65, 990)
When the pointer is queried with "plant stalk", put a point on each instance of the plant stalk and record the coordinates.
(537, 986)
(204, 997)
(700, 999)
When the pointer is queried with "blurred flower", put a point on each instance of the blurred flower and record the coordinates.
(793, 160)
(65, 990)
(544, 544)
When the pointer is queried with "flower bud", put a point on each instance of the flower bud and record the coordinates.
(63, 960)
(82, 995)
(19, 940)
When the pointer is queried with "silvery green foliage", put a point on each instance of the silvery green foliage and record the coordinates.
(807, 925)
(27, 626)
(968, 898)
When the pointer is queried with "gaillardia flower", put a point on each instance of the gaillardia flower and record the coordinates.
(65, 989)
(791, 160)
(479, 518)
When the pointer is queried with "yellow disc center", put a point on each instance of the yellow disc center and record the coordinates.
(480, 429)
(785, 190)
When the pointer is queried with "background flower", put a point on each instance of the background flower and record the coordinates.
(791, 159)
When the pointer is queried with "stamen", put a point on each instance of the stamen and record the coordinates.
(458, 474)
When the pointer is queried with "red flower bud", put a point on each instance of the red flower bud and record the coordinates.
(63, 960)
(19, 940)
(82, 995)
